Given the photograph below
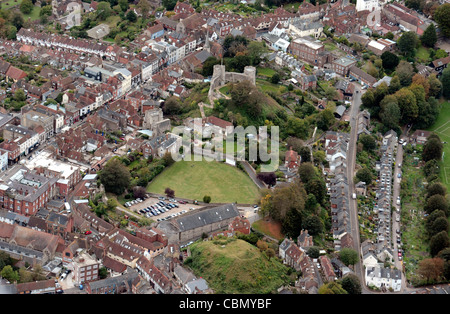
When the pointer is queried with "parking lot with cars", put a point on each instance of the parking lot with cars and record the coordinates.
(160, 209)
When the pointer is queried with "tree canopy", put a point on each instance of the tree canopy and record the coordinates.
(115, 176)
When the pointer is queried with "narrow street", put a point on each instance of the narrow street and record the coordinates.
(351, 163)
(396, 210)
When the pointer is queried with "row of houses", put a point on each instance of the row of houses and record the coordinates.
(336, 146)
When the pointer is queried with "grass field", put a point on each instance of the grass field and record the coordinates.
(234, 266)
(195, 179)
(10, 3)
(268, 72)
(442, 128)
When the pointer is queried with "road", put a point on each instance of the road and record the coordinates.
(351, 163)
(397, 211)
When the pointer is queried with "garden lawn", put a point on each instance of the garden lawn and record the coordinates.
(442, 128)
(423, 54)
(10, 3)
(34, 14)
(195, 179)
(268, 72)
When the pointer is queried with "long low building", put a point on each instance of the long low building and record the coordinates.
(192, 226)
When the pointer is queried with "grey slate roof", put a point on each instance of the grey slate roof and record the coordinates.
(207, 217)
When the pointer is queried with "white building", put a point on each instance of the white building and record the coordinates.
(125, 78)
(370, 5)
(3, 160)
(384, 278)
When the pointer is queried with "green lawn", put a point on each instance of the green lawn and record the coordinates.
(442, 128)
(34, 15)
(195, 179)
(10, 3)
(266, 86)
(423, 54)
(265, 72)
(233, 266)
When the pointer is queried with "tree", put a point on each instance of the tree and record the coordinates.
(103, 10)
(313, 252)
(305, 154)
(368, 141)
(17, 19)
(439, 242)
(172, 106)
(435, 86)
(270, 253)
(313, 224)
(131, 16)
(208, 66)
(348, 256)
(364, 175)
(269, 178)
(9, 274)
(431, 269)
(286, 205)
(169, 192)
(103, 272)
(429, 37)
(419, 79)
(123, 5)
(325, 119)
(331, 288)
(139, 192)
(390, 60)
(405, 72)
(351, 284)
(207, 199)
(368, 99)
(395, 84)
(306, 171)
(144, 7)
(20, 95)
(436, 188)
(169, 4)
(317, 187)
(439, 225)
(432, 149)
(26, 6)
(407, 43)
(115, 176)
(445, 80)
(436, 202)
(262, 245)
(275, 79)
(407, 104)
(431, 218)
(442, 17)
(390, 114)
